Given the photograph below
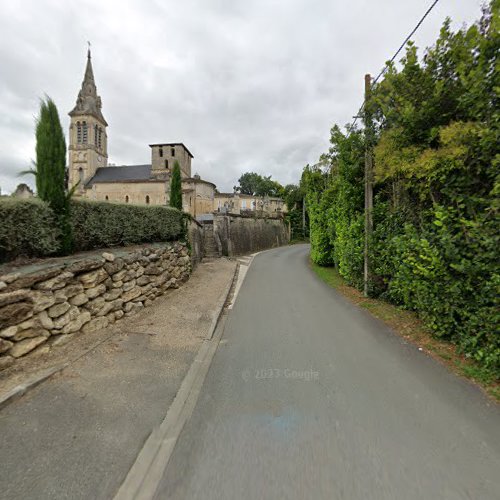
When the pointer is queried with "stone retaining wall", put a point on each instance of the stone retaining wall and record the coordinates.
(48, 306)
(236, 235)
(196, 241)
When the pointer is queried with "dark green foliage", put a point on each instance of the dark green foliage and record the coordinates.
(176, 187)
(50, 168)
(293, 196)
(322, 228)
(248, 183)
(335, 206)
(50, 156)
(295, 219)
(258, 185)
(314, 183)
(436, 222)
(102, 224)
(28, 229)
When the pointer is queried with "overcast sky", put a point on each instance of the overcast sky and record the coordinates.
(249, 85)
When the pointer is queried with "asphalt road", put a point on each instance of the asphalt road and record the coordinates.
(310, 397)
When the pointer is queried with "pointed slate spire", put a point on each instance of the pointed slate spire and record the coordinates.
(88, 102)
(89, 73)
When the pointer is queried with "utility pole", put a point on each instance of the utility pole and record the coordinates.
(368, 182)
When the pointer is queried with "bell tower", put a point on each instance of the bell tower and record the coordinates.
(88, 144)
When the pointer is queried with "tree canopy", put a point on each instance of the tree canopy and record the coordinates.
(258, 185)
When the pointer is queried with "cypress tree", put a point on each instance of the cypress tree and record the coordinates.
(176, 187)
(51, 168)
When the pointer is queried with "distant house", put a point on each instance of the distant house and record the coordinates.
(23, 191)
(237, 203)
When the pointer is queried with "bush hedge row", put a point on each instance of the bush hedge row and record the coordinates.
(434, 248)
(101, 224)
(28, 227)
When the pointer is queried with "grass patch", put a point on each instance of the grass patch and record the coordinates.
(408, 325)
(329, 275)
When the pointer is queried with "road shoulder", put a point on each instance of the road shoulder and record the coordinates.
(407, 325)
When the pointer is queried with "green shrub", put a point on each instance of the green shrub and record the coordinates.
(434, 248)
(294, 218)
(321, 233)
(176, 187)
(28, 229)
(452, 281)
(103, 224)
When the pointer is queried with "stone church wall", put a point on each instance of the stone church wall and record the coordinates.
(45, 305)
(236, 235)
(136, 192)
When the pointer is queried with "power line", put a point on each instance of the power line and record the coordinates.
(384, 69)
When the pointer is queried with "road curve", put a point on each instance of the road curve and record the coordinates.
(310, 397)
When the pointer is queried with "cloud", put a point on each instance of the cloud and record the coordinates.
(246, 85)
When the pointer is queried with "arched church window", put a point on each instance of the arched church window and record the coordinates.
(106, 198)
(100, 137)
(147, 199)
(160, 151)
(172, 150)
(126, 199)
(85, 136)
(96, 136)
(78, 132)
(80, 175)
(166, 164)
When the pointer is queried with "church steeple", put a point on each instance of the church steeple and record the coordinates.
(88, 102)
(88, 142)
(89, 73)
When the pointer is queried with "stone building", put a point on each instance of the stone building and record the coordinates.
(198, 196)
(137, 184)
(237, 203)
(23, 191)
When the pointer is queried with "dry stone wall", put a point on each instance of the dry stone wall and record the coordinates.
(46, 307)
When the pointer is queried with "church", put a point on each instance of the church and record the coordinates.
(138, 184)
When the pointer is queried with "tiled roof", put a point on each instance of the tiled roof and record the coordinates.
(125, 173)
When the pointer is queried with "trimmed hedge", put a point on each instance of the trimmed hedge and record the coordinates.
(104, 224)
(29, 229)
(434, 248)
